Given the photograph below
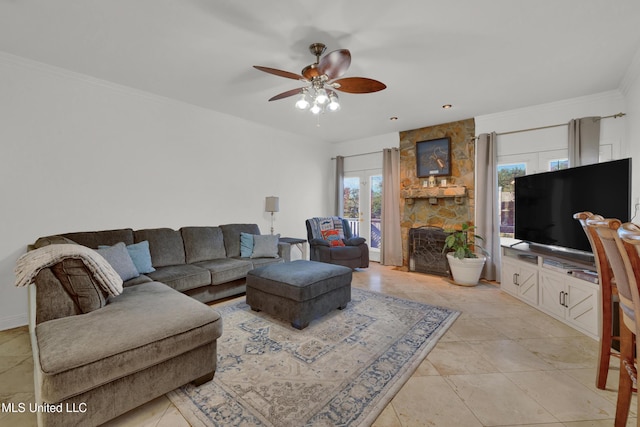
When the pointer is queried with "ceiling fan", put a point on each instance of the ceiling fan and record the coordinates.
(322, 78)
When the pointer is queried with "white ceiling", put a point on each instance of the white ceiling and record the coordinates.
(481, 56)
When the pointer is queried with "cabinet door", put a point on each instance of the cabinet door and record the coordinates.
(528, 283)
(552, 294)
(583, 305)
(508, 279)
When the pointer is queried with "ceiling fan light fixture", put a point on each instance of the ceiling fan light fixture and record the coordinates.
(315, 109)
(334, 104)
(323, 78)
(303, 102)
(321, 96)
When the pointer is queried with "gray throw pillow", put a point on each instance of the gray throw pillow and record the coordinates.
(265, 246)
(119, 258)
(140, 255)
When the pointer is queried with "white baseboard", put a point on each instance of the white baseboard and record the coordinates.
(11, 322)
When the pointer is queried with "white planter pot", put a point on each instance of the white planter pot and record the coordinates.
(466, 271)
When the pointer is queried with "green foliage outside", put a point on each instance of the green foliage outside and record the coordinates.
(506, 177)
(351, 197)
(376, 197)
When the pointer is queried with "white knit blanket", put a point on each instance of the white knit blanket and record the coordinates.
(29, 265)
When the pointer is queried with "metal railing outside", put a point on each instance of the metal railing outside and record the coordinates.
(376, 235)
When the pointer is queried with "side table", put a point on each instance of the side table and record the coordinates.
(301, 244)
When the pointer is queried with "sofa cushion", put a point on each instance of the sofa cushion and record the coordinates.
(346, 252)
(137, 280)
(93, 239)
(182, 277)
(265, 246)
(145, 325)
(203, 243)
(119, 258)
(51, 240)
(231, 234)
(52, 300)
(226, 269)
(79, 284)
(165, 245)
(258, 262)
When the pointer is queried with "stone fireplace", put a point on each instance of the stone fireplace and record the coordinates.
(445, 207)
(425, 251)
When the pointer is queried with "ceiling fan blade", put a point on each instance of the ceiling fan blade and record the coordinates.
(335, 64)
(287, 94)
(280, 73)
(357, 85)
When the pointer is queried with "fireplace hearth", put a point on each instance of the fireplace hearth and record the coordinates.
(425, 251)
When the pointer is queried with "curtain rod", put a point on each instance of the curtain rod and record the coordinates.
(614, 116)
(361, 154)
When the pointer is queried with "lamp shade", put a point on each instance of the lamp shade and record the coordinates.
(272, 204)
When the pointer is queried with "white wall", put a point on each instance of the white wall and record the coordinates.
(631, 90)
(363, 154)
(78, 154)
(612, 131)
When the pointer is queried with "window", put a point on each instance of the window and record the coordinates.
(351, 198)
(376, 211)
(557, 164)
(506, 188)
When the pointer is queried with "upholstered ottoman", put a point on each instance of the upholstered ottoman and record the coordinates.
(299, 291)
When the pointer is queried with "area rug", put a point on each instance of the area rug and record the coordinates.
(342, 369)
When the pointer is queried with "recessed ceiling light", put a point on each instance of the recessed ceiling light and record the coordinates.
(447, 106)
(393, 119)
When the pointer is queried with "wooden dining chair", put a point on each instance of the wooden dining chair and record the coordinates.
(607, 231)
(629, 240)
(609, 295)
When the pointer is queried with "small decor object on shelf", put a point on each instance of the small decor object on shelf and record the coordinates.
(466, 265)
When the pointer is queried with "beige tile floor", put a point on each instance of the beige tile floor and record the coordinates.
(502, 363)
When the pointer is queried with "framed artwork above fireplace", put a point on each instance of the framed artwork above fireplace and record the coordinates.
(433, 157)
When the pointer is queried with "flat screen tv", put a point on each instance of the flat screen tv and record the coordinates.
(545, 202)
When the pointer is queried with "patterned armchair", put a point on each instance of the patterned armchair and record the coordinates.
(331, 241)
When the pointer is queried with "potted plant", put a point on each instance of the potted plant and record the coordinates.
(466, 265)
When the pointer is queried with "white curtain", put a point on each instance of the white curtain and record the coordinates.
(488, 202)
(584, 141)
(339, 203)
(391, 251)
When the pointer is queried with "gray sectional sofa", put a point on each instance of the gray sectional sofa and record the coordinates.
(202, 262)
(101, 356)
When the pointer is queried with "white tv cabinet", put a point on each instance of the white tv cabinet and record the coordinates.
(527, 275)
